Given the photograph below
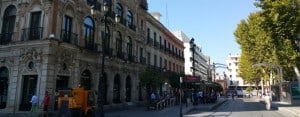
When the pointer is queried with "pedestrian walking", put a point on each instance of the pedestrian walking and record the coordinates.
(45, 104)
(268, 101)
(153, 97)
(34, 104)
(232, 96)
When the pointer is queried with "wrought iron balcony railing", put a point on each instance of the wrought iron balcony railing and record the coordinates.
(69, 37)
(32, 34)
(5, 38)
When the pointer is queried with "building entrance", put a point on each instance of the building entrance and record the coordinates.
(3, 86)
(28, 89)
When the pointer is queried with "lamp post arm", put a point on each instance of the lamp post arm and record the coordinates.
(297, 74)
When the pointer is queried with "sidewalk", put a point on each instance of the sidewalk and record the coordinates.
(171, 111)
(283, 106)
(139, 111)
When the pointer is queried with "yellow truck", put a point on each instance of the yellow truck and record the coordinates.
(78, 102)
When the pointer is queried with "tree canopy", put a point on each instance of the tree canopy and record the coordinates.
(269, 35)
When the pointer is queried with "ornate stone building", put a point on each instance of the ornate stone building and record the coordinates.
(57, 44)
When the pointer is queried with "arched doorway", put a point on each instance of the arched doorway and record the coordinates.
(29, 88)
(116, 89)
(128, 89)
(85, 79)
(3, 86)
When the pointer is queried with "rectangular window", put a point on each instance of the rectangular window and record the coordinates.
(155, 60)
(148, 35)
(159, 40)
(166, 64)
(148, 58)
(35, 31)
(142, 24)
(170, 65)
(67, 29)
(174, 67)
(141, 52)
(160, 62)
(165, 44)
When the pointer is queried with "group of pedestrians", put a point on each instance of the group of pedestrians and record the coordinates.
(197, 97)
(35, 103)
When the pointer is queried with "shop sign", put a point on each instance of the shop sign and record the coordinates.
(192, 79)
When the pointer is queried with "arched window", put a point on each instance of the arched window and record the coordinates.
(120, 11)
(119, 44)
(85, 79)
(88, 33)
(8, 24)
(129, 19)
(129, 49)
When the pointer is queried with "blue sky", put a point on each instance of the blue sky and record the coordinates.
(210, 22)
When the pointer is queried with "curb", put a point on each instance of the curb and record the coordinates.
(208, 108)
(217, 105)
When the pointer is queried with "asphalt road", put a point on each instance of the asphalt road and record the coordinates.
(240, 108)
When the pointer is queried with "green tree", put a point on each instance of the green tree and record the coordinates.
(256, 46)
(269, 35)
(282, 24)
(152, 80)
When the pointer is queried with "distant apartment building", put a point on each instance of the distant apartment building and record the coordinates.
(196, 63)
(234, 81)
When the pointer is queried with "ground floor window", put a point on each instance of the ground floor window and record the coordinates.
(3, 87)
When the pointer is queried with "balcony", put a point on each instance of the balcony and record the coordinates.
(156, 44)
(108, 52)
(69, 37)
(123, 21)
(32, 34)
(5, 38)
(142, 60)
(161, 46)
(131, 58)
(149, 41)
(132, 27)
(120, 55)
(91, 47)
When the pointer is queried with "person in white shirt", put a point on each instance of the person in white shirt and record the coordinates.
(268, 101)
(34, 104)
(153, 97)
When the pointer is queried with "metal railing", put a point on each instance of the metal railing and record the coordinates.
(5, 38)
(32, 33)
(69, 37)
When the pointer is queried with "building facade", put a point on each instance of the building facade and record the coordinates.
(234, 81)
(196, 64)
(48, 45)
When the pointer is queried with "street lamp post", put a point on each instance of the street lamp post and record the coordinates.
(192, 44)
(101, 88)
(180, 82)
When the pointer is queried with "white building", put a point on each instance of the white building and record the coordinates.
(234, 81)
(199, 60)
